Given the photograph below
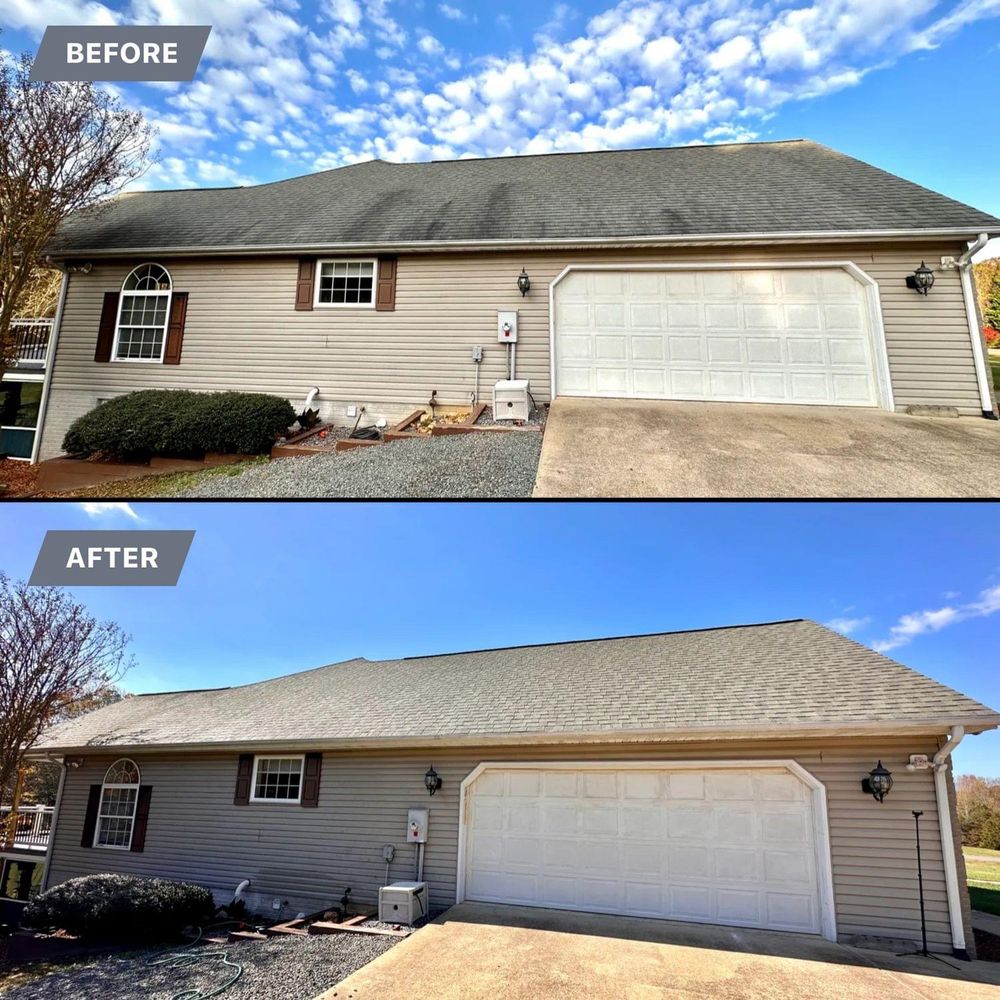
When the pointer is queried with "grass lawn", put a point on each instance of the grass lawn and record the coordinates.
(986, 900)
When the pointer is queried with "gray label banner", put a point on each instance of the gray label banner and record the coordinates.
(138, 53)
(111, 558)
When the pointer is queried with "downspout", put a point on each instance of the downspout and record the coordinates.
(50, 363)
(968, 294)
(55, 820)
(940, 765)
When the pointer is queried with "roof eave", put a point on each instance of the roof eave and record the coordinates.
(597, 242)
(939, 725)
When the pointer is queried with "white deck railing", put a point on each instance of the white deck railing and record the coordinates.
(30, 831)
(31, 340)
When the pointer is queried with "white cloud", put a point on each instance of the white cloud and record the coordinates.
(922, 622)
(847, 625)
(106, 508)
(639, 72)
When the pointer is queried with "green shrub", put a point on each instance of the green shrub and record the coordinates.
(120, 906)
(181, 424)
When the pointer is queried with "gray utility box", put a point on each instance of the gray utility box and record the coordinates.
(402, 902)
(510, 399)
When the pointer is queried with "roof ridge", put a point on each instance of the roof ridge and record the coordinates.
(605, 638)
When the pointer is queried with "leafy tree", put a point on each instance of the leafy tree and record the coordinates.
(978, 804)
(991, 301)
(56, 660)
(64, 148)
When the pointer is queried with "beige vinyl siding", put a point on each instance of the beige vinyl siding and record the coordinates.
(242, 331)
(308, 856)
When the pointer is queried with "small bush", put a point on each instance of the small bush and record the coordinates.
(179, 423)
(120, 906)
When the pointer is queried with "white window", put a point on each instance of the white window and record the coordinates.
(143, 314)
(277, 779)
(119, 797)
(345, 283)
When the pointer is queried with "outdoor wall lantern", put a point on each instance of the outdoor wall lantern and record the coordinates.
(432, 780)
(921, 280)
(878, 782)
(523, 282)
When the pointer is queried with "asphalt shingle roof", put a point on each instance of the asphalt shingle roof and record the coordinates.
(740, 189)
(793, 674)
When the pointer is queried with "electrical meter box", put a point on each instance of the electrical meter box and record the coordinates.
(416, 826)
(507, 327)
(402, 902)
(510, 399)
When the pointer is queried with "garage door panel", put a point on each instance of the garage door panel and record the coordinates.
(758, 335)
(724, 845)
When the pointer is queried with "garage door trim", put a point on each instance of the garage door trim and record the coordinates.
(821, 826)
(880, 354)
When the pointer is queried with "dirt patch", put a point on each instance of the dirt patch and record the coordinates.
(987, 945)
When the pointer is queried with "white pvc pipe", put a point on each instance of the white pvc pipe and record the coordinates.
(50, 363)
(968, 296)
(954, 894)
(53, 826)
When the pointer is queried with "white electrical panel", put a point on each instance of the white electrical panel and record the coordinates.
(507, 327)
(416, 826)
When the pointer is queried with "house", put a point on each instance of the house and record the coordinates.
(711, 775)
(777, 272)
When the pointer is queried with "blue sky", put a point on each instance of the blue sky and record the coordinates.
(291, 86)
(274, 588)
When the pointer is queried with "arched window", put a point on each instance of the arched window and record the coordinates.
(116, 815)
(143, 314)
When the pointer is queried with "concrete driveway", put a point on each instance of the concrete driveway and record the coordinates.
(653, 448)
(479, 950)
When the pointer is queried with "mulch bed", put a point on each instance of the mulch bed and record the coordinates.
(17, 479)
(987, 945)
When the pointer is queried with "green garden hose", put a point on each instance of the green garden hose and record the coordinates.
(182, 958)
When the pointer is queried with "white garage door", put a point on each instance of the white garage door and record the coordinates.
(779, 335)
(733, 846)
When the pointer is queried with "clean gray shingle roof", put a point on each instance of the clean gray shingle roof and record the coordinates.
(778, 187)
(793, 674)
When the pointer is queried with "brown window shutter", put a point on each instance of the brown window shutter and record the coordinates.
(385, 289)
(141, 818)
(310, 779)
(243, 775)
(106, 331)
(90, 819)
(304, 286)
(175, 328)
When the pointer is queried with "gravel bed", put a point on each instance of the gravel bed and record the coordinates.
(298, 968)
(536, 418)
(459, 465)
(333, 435)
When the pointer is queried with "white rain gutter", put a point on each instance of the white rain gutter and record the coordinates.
(968, 294)
(52, 827)
(539, 243)
(50, 361)
(940, 765)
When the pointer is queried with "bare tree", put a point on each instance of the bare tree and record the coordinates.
(40, 295)
(64, 148)
(54, 656)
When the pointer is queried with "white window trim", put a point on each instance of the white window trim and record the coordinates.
(118, 319)
(345, 305)
(300, 757)
(24, 377)
(135, 806)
